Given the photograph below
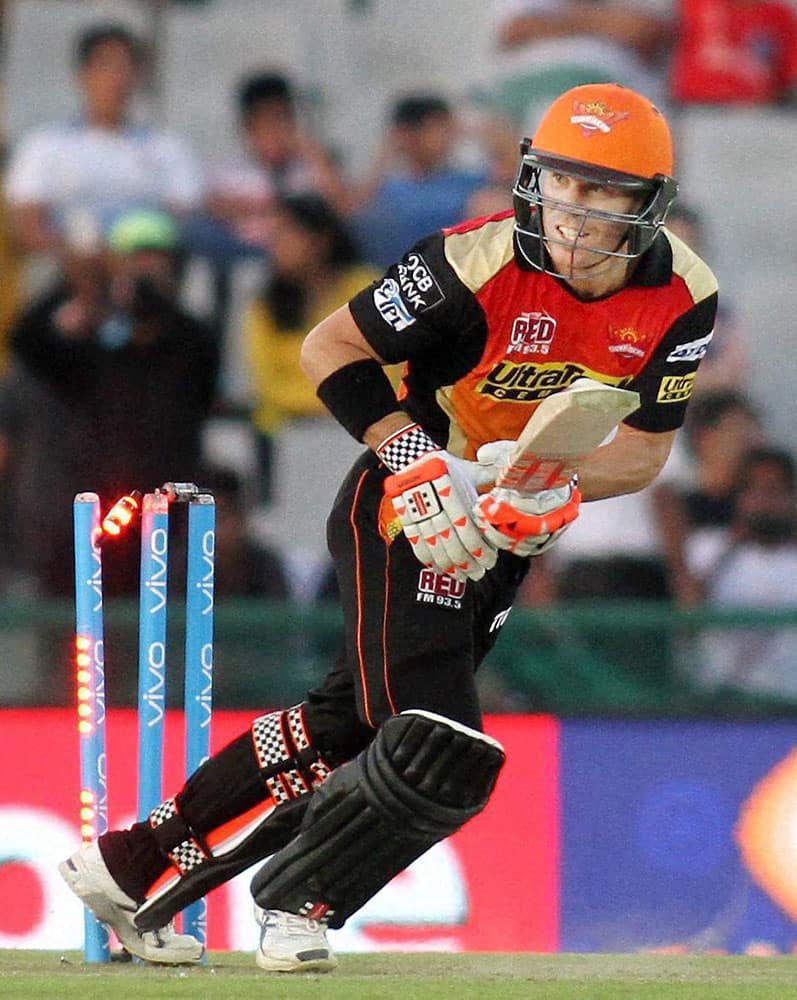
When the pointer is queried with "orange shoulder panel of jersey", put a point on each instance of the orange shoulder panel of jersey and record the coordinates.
(540, 338)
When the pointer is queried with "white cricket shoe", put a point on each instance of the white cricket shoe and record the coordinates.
(88, 877)
(290, 943)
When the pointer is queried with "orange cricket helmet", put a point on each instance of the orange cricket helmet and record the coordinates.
(606, 134)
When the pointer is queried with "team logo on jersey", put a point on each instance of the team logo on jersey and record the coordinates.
(390, 305)
(675, 388)
(419, 286)
(595, 116)
(693, 351)
(439, 589)
(628, 343)
(525, 381)
(532, 333)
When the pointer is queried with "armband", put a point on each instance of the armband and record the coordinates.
(358, 395)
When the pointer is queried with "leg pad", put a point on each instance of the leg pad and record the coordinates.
(419, 781)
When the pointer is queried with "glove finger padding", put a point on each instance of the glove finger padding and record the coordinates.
(526, 525)
(461, 539)
(437, 521)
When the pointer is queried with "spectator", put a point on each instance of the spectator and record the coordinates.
(752, 562)
(316, 268)
(735, 52)
(547, 46)
(9, 287)
(726, 364)
(68, 182)
(278, 158)
(115, 392)
(414, 187)
(720, 428)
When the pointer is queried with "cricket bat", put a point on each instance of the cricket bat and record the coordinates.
(562, 430)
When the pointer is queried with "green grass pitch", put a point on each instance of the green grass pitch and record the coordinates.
(29, 975)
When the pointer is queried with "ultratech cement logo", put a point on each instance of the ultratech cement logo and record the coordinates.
(532, 333)
(436, 588)
(675, 388)
(391, 306)
(419, 287)
(526, 381)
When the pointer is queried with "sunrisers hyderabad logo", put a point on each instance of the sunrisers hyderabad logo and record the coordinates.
(595, 116)
(628, 343)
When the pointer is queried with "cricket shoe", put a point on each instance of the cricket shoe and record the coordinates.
(290, 943)
(87, 876)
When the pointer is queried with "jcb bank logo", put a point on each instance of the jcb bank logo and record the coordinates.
(436, 588)
(532, 333)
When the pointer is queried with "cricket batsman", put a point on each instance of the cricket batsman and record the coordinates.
(387, 757)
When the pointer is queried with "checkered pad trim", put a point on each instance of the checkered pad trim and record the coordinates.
(270, 747)
(321, 771)
(295, 782)
(278, 791)
(296, 727)
(187, 856)
(160, 814)
(405, 446)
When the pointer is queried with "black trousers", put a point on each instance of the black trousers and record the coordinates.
(413, 638)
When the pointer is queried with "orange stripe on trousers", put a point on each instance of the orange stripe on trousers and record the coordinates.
(358, 583)
(385, 669)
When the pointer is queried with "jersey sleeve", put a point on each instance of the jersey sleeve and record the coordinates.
(666, 382)
(419, 307)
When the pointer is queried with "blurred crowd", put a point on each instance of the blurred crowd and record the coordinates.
(112, 372)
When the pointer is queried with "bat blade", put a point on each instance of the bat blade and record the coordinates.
(561, 431)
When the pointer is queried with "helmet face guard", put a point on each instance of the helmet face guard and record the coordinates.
(638, 227)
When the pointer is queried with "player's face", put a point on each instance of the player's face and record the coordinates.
(575, 236)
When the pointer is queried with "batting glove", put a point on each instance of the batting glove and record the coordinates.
(526, 525)
(433, 494)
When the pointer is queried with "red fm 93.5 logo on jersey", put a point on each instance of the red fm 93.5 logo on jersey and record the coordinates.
(439, 589)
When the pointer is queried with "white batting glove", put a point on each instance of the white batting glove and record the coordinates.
(433, 495)
(527, 525)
